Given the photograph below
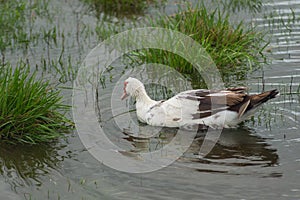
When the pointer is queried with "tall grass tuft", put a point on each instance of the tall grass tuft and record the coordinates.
(31, 111)
(234, 49)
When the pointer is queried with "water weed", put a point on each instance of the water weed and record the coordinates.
(12, 25)
(31, 111)
(235, 50)
(17, 19)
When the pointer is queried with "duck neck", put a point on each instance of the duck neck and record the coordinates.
(143, 98)
(143, 104)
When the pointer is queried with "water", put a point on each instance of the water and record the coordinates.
(257, 161)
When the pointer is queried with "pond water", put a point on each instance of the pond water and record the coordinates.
(259, 160)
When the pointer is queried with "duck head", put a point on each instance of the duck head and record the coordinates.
(132, 87)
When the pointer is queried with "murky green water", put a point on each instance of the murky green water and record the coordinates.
(257, 161)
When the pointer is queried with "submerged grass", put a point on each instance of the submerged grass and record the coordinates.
(31, 111)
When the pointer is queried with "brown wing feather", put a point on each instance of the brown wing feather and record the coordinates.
(252, 101)
(243, 108)
(232, 98)
(258, 99)
(238, 89)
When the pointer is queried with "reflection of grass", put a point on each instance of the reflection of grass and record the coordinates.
(119, 7)
(282, 22)
(28, 162)
(237, 5)
(29, 108)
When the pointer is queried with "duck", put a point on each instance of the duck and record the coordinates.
(194, 108)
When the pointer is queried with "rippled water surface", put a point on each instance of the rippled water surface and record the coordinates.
(259, 160)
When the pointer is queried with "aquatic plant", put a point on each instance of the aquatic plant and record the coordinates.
(18, 28)
(234, 49)
(31, 111)
(12, 25)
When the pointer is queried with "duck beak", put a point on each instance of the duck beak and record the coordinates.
(124, 96)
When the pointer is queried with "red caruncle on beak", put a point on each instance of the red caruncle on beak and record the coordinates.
(125, 93)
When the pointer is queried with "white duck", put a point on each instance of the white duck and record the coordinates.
(194, 107)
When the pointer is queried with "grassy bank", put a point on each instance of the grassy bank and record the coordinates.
(31, 111)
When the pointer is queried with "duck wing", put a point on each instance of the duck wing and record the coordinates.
(203, 106)
(211, 102)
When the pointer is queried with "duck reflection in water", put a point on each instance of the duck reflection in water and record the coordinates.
(235, 147)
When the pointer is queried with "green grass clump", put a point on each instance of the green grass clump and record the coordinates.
(234, 49)
(31, 110)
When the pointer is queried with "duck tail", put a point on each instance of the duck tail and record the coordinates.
(256, 100)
